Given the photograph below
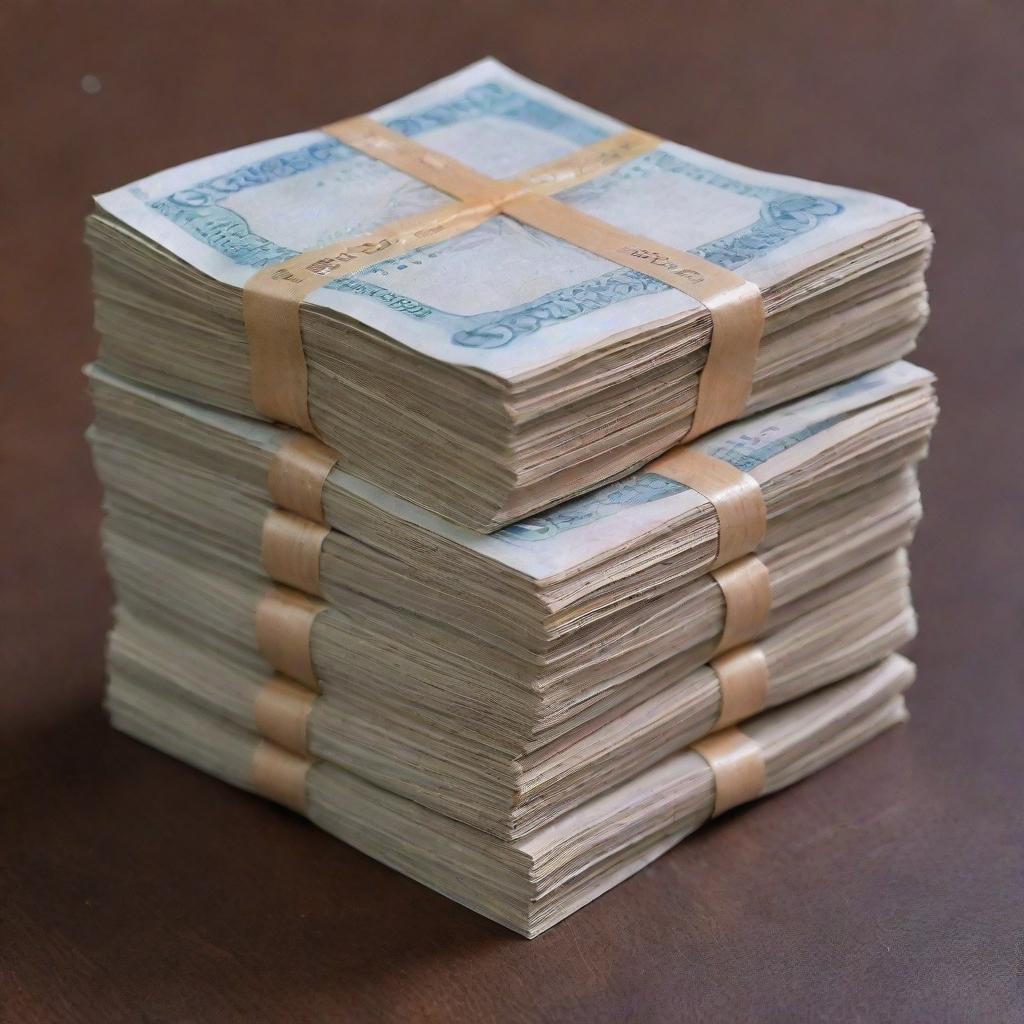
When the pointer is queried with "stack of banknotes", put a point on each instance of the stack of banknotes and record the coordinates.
(470, 610)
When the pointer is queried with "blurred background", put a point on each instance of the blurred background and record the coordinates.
(918, 100)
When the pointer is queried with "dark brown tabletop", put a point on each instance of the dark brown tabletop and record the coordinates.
(889, 888)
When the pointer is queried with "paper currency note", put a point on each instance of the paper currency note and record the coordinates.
(618, 514)
(505, 298)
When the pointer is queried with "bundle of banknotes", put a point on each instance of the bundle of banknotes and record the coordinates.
(434, 517)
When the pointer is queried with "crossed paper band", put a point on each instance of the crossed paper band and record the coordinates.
(272, 298)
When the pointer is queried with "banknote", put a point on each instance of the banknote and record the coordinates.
(504, 298)
(831, 633)
(483, 661)
(531, 883)
(617, 516)
(417, 609)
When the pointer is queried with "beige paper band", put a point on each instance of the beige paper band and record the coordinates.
(739, 503)
(438, 170)
(290, 550)
(589, 162)
(284, 629)
(735, 305)
(297, 474)
(281, 711)
(747, 590)
(272, 297)
(738, 766)
(447, 174)
(279, 775)
(743, 680)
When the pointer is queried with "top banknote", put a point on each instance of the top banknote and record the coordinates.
(503, 310)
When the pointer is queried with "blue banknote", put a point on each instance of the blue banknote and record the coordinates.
(504, 297)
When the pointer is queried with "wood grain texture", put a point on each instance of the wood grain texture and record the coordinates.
(889, 888)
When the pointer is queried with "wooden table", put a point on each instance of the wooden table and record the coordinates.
(889, 888)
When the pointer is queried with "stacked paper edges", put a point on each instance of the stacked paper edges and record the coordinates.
(481, 309)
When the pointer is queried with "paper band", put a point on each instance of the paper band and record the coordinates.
(290, 550)
(272, 297)
(737, 763)
(438, 170)
(747, 590)
(284, 629)
(297, 474)
(281, 711)
(743, 680)
(735, 305)
(447, 174)
(589, 161)
(739, 503)
(279, 775)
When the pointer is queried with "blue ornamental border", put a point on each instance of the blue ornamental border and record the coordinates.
(197, 210)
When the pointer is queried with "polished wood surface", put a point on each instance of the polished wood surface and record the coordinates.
(889, 888)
